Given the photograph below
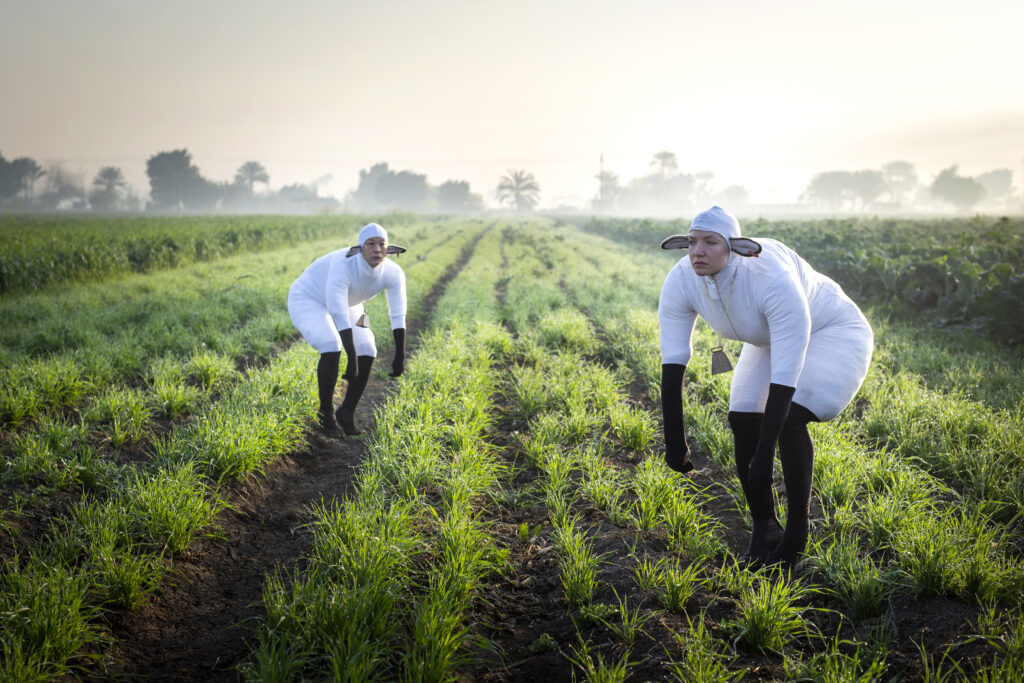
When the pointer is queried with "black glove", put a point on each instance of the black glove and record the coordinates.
(677, 453)
(776, 410)
(398, 364)
(351, 366)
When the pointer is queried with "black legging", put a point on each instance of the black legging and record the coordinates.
(796, 452)
(326, 380)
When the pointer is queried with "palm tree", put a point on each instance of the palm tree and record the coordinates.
(105, 185)
(666, 162)
(108, 180)
(26, 172)
(521, 189)
(608, 190)
(249, 173)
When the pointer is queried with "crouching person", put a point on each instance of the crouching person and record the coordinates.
(806, 350)
(326, 306)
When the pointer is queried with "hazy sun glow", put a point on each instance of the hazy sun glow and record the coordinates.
(762, 94)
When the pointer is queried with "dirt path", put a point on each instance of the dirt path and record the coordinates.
(202, 622)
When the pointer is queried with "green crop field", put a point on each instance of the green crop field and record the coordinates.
(508, 516)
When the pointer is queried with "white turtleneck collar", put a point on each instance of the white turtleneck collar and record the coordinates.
(372, 272)
(723, 279)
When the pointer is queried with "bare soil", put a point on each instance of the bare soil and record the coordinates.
(202, 622)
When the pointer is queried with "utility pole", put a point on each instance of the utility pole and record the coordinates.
(600, 180)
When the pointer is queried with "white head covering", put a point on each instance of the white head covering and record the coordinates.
(372, 230)
(719, 221)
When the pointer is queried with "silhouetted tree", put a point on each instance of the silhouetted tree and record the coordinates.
(454, 196)
(998, 186)
(659, 194)
(10, 180)
(960, 191)
(7, 184)
(62, 189)
(402, 190)
(105, 187)
(176, 184)
(701, 193)
(364, 197)
(28, 172)
(520, 189)
(731, 195)
(249, 173)
(831, 188)
(297, 192)
(866, 186)
(900, 180)
(608, 190)
(665, 162)
(19, 176)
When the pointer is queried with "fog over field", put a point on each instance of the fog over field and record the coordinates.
(652, 108)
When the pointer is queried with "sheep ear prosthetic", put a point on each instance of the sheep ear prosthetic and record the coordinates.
(392, 249)
(744, 246)
(676, 242)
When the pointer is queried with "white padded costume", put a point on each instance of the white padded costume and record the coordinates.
(798, 327)
(329, 296)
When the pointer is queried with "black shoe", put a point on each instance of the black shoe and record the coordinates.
(792, 545)
(766, 534)
(328, 425)
(347, 422)
(346, 412)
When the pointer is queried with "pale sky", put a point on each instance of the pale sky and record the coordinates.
(764, 94)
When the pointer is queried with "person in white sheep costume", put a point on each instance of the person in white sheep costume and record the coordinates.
(326, 306)
(806, 352)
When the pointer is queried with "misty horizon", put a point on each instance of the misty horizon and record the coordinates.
(764, 97)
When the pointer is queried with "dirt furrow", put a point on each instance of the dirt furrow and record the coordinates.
(202, 622)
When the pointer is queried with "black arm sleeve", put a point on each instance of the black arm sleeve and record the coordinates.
(398, 364)
(776, 410)
(347, 343)
(677, 453)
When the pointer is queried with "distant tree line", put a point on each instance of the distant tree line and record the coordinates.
(177, 185)
(381, 188)
(24, 184)
(895, 187)
(665, 190)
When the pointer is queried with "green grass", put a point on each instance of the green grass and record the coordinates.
(529, 373)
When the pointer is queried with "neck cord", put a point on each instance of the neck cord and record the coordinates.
(719, 360)
(725, 303)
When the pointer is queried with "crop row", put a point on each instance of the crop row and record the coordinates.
(975, 448)
(42, 252)
(889, 528)
(58, 350)
(508, 450)
(573, 424)
(395, 567)
(652, 571)
(110, 549)
(944, 271)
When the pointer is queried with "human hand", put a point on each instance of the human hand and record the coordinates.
(348, 344)
(679, 459)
